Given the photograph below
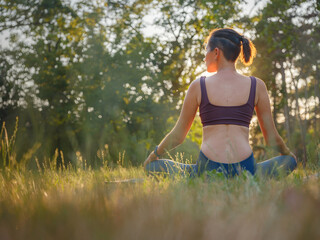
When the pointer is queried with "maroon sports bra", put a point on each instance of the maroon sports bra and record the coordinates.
(239, 115)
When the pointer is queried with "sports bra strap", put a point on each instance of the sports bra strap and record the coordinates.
(204, 96)
(252, 91)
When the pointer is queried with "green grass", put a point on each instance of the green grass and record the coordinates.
(78, 204)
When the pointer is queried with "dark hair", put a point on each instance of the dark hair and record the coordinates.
(232, 44)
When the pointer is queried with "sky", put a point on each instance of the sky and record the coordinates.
(251, 6)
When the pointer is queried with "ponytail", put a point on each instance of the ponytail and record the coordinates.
(248, 51)
(232, 44)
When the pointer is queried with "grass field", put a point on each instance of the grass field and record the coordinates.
(79, 204)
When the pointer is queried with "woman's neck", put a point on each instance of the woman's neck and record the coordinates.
(226, 66)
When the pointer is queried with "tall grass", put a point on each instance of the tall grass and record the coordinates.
(77, 203)
(7, 154)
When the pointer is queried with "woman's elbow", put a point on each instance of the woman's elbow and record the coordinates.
(272, 138)
(180, 140)
(178, 137)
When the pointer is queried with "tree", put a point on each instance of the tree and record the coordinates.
(280, 29)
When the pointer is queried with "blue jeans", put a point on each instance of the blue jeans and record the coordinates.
(283, 164)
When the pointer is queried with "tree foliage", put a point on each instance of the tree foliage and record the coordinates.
(101, 78)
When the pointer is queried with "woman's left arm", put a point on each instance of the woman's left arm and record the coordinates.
(177, 135)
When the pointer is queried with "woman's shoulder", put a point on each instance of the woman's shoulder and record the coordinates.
(261, 90)
(258, 80)
(197, 80)
(195, 83)
(260, 84)
(195, 89)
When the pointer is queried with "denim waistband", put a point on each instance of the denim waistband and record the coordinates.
(243, 161)
(206, 164)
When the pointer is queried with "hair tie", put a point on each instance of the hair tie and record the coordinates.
(241, 38)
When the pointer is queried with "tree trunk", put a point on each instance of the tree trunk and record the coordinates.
(286, 107)
(302, 127)
(317, 94)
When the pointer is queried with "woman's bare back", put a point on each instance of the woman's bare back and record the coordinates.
(227, 143)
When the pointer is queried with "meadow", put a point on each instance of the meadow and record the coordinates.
(96, 85)
(89, 204)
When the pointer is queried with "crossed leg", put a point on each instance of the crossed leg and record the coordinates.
(169, 167)
(280, 165)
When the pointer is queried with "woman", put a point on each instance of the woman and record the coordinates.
(226, 101)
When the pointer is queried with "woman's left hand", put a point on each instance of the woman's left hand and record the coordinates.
(152, 157)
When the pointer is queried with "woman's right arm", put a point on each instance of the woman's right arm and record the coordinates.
(268, 128)
(177, 135)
